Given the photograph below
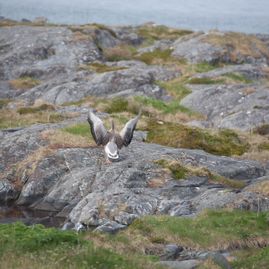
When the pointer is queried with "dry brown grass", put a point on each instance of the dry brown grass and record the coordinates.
(260, 187)
(255, 152)
(61, 139)
(118, 53)
(11, 118)
(79, 36)
(28, 165)
(241, 44)
(24, 83)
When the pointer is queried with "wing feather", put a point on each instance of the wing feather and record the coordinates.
(98, 130)
(126, 134)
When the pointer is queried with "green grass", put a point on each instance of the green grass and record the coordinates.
(117, 105)
(178, 171)
(165, 107)
(152, 33)
(181, 171)
(211, 229)
(39, 247)
(204, 67)
(226, 142)
(82, 129)
(157, 55)
(238, 77)
(264, 146)
(100, 68)
(205, 80)
(175, 88)
(32, 109)
(4, 102)
(251, 258)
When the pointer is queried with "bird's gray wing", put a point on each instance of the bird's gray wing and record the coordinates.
(98, 130)
(126, 134)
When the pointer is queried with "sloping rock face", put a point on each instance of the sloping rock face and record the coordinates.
(216, 47)
(42, 51)
(136, 80)
(231, 106)
(80, 186)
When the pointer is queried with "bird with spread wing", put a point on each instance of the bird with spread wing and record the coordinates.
(111, 140)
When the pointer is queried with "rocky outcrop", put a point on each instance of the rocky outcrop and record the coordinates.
(230, 106)
(79, 185)
(218, 47)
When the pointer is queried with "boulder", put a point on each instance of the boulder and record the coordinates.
(242, 107)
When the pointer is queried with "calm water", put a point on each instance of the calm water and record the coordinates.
(251, 16)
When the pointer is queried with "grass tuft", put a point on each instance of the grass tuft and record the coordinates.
(35, 109)
(119, 53)
(205, 80)
(100, 68)
(24, 83)
(226, 142)
(156, 56)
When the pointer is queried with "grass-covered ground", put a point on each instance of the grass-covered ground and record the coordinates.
(244, 234)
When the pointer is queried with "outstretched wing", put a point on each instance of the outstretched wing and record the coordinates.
(126, 134)
(98, 130)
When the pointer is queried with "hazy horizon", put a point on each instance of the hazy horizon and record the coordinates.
(242, 15)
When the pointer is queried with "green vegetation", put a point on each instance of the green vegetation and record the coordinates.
(24, 83)
(155, 56)
(4, 102)
(38, 247)
(264, 146)
(35, 109)
(226, 142)
(238, 77)
(211, 229)
(251, 258)
(100, 68)
(11, 119)
(180, 171)
(175, 88)
(204, 67)
(117, 105)
(150, 33)
(205, 80)
(165, 107)
(82, 129)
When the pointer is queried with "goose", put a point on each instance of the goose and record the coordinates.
(111, 140)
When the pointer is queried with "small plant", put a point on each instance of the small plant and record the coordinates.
(178, 171)
(119, 53)
(155, 56)
(262, 130)
(35, 109)
(100, 68)
(24, 83)
(4, 102)
(204, 67)
(226, 142)
(82, 129)
(205, 80)
(117, 105)
(238, 77)
(264, 146)
(175, 88)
